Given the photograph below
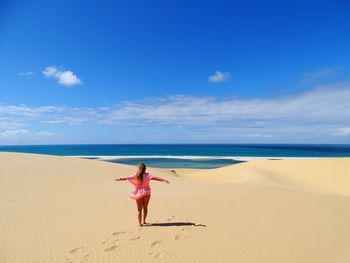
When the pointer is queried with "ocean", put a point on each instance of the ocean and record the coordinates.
(249, 150)
(189, 150)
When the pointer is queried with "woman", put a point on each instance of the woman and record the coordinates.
(142, 191)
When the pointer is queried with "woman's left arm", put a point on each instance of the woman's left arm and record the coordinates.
(159, 179)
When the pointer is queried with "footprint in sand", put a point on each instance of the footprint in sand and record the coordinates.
(105, 241)
(156, 243)
(76, 254)
(135, 238)
(156, 255)
(118, 233)
(111, 248)
(72, 251)
(178, 236)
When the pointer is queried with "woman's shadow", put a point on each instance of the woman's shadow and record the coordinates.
(175, 224)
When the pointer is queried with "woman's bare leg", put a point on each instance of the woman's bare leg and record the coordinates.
(145, 207)
(139, 203)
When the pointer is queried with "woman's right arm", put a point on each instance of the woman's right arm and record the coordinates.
(120, 179)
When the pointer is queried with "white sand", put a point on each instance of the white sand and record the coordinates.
(59, 209)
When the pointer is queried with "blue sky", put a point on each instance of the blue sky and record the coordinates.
(174, 72)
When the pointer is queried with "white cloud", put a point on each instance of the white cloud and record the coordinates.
(13, 134)
(321, 114)
(44, 134)
(26, 73)
(259, 135)
(325, 105)
(317, 75)
(64, 77)
(219, 77)
(317, 106)
(23, 110)
(342, 132)
(24, 135)
(6, 124)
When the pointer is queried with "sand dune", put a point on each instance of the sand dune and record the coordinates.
(59, 209)
(330, 176)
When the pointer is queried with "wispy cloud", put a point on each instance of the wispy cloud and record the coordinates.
(64, 77)
(24, 134)
(342, 132)
(11, 134)
(320, 74)
(26, 111)
(9, 124)
(322, 105)
(219, 77)
(26, 73)
(321, 113)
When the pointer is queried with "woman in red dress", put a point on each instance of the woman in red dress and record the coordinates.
(142, 191)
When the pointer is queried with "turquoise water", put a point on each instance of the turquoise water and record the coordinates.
(177, 163)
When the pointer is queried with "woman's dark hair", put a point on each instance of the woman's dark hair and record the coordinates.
(140, 172)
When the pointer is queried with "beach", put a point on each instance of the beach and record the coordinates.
(69, 209)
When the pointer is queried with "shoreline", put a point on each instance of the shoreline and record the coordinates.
(191, 157)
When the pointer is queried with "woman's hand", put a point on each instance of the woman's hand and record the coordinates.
(117, 179)
(167, 181)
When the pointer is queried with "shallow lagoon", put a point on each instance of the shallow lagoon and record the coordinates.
(177, 162)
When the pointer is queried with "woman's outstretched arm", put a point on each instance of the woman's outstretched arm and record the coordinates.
(160, 179)
(120, 179)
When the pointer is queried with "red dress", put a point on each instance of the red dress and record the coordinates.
(141, 189)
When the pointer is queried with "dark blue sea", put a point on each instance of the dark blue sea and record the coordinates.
(179, 150)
